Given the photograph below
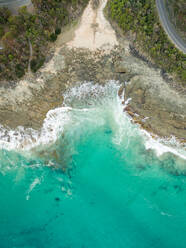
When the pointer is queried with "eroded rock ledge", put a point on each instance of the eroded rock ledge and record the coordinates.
(154, 105)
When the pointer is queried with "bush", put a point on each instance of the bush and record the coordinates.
(183, 75)
(57, 31)
(11, 57)
(8, 36)
(35, 64)
(4, 15)
(53, 37)
(19, 71)
(1, 32)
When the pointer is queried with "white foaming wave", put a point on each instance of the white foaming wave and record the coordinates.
(89, 94)
(124, 130)
(162, 145)
(84, 94)
(103, 101)
(91, 100)
(25, 139)
(159, 145)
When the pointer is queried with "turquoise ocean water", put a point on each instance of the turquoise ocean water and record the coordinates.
(97, 185)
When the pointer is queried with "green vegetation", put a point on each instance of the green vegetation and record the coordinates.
(140, 17)
(39, 28)
(177, 12)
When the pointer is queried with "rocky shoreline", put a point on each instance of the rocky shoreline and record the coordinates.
(155, 105)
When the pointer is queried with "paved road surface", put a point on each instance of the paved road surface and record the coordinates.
(13, 5)
(13, 2)
(168, 27)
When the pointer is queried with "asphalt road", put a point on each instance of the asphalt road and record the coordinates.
(9, 2)
(14, 3)
(168, 27)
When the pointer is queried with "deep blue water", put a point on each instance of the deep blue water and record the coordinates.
(103, 190)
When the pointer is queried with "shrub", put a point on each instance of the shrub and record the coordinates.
(57, 31)
(53, 37)
(1, 32)
(183, 75)
(19, 71)
(11, 57)
(8, 36)
(4, 15)
(35, 64)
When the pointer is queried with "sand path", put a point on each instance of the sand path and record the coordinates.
(94, 31)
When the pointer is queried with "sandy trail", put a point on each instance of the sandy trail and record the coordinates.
(94, 31)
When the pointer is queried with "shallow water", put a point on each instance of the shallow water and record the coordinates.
(97, 185)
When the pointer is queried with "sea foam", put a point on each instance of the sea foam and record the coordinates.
(87, 103)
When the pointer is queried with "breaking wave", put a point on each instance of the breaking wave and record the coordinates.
(85, 104)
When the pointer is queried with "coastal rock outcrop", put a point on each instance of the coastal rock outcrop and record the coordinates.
(154, 103)
(160, 110)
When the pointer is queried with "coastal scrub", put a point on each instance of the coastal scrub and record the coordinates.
(20, 33)
(141, 18)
